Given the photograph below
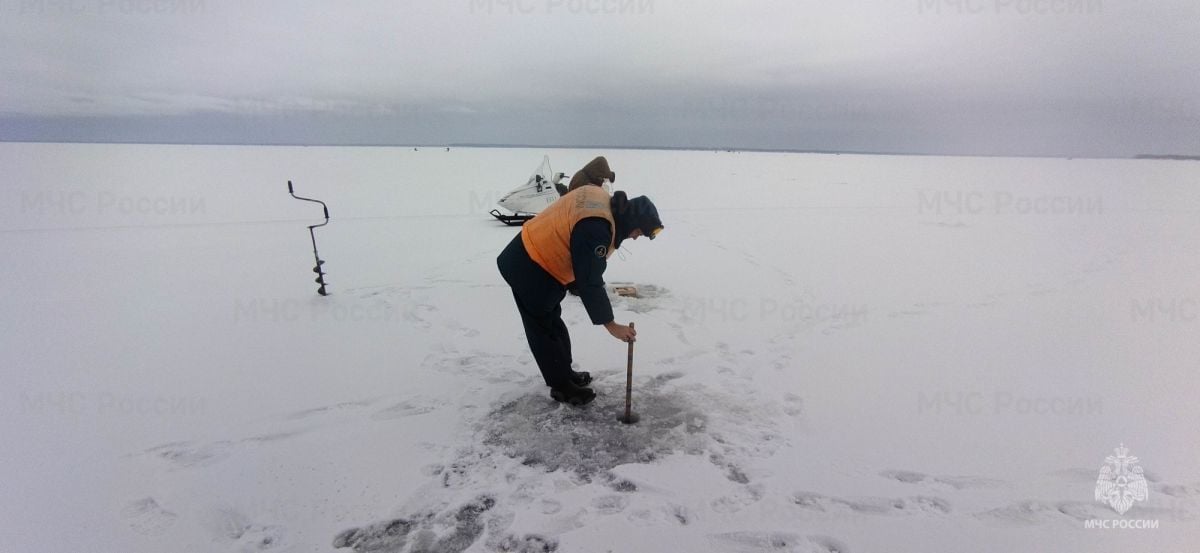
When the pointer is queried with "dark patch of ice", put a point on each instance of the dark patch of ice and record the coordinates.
(590, 441)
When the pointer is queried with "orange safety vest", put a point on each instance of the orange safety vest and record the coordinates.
(547, 237)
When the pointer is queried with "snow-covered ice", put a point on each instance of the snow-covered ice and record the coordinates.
(836, 353)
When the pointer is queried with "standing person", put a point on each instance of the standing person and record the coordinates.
(569, 243)
(595, 172)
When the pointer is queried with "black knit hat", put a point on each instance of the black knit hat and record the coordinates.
(638, 213)
(645, 215)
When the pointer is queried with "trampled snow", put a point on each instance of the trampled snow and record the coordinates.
(836, 353)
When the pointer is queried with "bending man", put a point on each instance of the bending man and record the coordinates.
(568, 244)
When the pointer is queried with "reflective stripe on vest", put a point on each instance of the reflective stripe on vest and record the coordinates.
(547, 237)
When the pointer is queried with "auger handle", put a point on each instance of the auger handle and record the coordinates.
(629, 382)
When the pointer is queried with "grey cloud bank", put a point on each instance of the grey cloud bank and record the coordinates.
(996, 77)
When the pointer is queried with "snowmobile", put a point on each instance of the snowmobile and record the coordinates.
(541, 190)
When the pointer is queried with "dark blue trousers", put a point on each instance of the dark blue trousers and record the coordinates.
(539, 301)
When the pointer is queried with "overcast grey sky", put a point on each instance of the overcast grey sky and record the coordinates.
(1041, 77)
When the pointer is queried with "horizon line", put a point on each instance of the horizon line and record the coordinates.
(726, 149)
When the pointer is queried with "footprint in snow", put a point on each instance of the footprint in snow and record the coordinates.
(241, 534)
(551, 506)
(733, 472)
(327, 409)
(273, 437)
(458, 474)
(1077, 474)
(684, 359)
(1034, 512)
(907, 313)
(621, 485)
(743, 497)
(145, 516)
(407, 408)
(187, 455)
(460, 330)
(956, 482)
(753, 542)
(413, 316)
(451, 531)
(529, 543)
(183, 455)
(1177, 490)
(882, 506)
(610, 504)
(388, 536)
(793, 405)
(1087, 475)
(665, 515)
(681, 514)
(659, 379)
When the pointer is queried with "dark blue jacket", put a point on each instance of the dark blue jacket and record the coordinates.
(589, 248)
(590, 240)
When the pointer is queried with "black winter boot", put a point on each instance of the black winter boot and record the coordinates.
(572, 394)
(581, 378)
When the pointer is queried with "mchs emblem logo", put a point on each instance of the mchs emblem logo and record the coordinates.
(1121, 482)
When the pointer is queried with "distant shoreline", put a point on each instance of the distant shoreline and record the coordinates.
(725, 149)
(1168, 157)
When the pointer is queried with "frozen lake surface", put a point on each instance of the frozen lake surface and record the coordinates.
(836, 353)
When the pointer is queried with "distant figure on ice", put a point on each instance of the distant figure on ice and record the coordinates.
(595, 172)
(568, 244)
